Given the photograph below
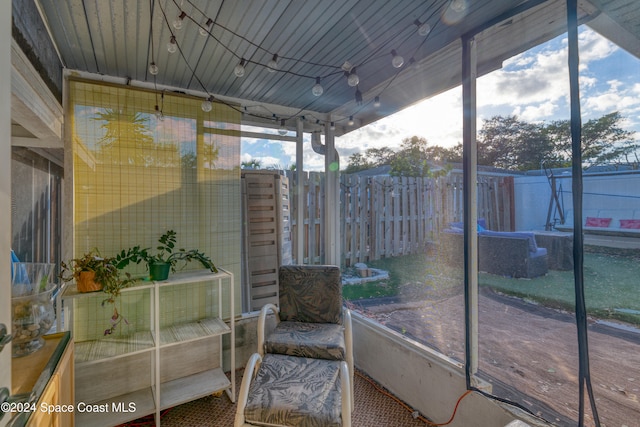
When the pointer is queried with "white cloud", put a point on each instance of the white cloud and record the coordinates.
(545, 79)
(616, 97)
(533, 113)
(593, 47)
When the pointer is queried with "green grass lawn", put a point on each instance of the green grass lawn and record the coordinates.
(611, 283)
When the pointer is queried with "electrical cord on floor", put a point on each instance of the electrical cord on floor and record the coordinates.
(416, 415)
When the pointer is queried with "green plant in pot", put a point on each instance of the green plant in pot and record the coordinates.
(166, 257)
(93, 272)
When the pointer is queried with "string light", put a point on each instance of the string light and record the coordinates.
(353, 80)
(239, 69)
(317, 88)
(283, 129)
(272, 65)
(458, 5)
(179, 21)
(423, 29)
(172, 46)
(397, 61)
(206, 28)
(207, 104)
(158, 113)
(332, 126)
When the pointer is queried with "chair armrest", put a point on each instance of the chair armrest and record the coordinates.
(348, 341)
(250, 372)
(346, 385)
(262, 323)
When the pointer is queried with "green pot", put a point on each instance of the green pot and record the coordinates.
(159, 271)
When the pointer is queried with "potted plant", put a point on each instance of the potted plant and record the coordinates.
(165, 258)
(92, 272)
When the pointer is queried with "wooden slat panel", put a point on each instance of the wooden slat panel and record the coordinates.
(266, 201)
(133, 373)
(181, 360)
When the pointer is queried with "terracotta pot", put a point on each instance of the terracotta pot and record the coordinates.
(86, 282)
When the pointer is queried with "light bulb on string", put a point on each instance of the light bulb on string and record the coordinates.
(239, 69)
(282, 130)
(376, 102)
(206, 28)
(423, 29)
(272, 65)
(350, 122)
(153, 69)
(179, 21)
(332, 126)
(172, 45)
(158, 114)
(207, 104)
(353, 80)
(397, 61)
(458, 5)
(317, 88)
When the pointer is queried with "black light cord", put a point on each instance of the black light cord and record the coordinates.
(584, 380)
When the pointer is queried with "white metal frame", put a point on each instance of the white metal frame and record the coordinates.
(70, 293)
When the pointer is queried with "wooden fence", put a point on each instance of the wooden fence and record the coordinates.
(393, 216)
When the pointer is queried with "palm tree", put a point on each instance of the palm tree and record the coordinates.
(127, 138)
(251, 164)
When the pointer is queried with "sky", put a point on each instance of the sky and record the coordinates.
(534, 86)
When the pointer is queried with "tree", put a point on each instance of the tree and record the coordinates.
(410, 160)
(510, 143)
(371, 158)
(127, 138)
(414, 158)
(251, 164)
(357, 162)
(380, 156)
(603, 141)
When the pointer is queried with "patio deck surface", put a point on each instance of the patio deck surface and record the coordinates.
(373, 407)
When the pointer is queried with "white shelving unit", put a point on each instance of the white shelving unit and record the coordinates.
(172, 356)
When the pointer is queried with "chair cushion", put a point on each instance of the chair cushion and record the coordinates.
(295, 391)
(317, 340)
(310, 293)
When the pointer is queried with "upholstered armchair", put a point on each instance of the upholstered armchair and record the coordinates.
(311, 321)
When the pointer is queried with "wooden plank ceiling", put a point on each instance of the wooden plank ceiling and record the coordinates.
(312, 39)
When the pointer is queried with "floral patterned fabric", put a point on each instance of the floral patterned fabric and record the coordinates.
(310, 293)
(295, 391)
(319, 340)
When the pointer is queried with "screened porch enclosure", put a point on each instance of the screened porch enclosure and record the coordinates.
(151, 143)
